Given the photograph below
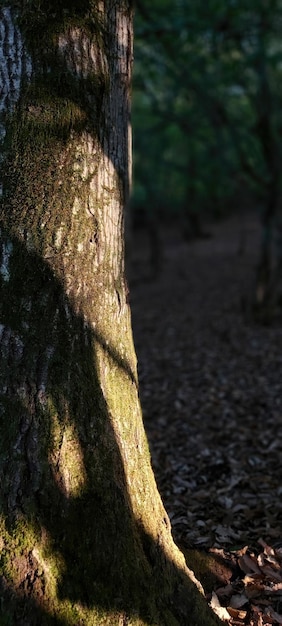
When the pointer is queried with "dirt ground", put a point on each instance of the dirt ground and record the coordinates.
(211, 390)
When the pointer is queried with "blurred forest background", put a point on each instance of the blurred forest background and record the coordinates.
(207, 122)
(206, 217)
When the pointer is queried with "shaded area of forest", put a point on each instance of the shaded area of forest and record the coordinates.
(207, 121)
(211, 388)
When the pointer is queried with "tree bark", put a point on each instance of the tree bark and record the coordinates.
(84, 536)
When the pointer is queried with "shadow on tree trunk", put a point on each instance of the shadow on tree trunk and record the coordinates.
(73, 552)
(70, 543)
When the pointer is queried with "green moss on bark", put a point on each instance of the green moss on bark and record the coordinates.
(85, 538)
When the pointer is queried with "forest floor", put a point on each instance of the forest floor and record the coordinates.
(211, 392)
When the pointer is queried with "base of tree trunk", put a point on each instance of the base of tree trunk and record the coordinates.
(164, 595)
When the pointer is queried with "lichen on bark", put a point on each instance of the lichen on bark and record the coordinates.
(84, 536)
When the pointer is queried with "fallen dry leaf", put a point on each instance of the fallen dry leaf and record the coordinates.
(236, 613)
(266, 548)
(220, 611)
(271, 573)
(248, 564)
(237, 601)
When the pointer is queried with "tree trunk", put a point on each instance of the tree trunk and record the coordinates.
(84, 536)
(266, 285)
(265, 295)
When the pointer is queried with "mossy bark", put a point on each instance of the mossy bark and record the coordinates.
(84, 536)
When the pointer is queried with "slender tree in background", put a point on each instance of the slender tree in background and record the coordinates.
(84, 536)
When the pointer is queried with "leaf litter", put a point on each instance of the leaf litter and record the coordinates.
(211, 392)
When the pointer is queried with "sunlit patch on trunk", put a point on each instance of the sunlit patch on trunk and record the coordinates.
(66, 459)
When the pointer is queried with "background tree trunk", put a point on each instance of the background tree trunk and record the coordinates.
(84, 536)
